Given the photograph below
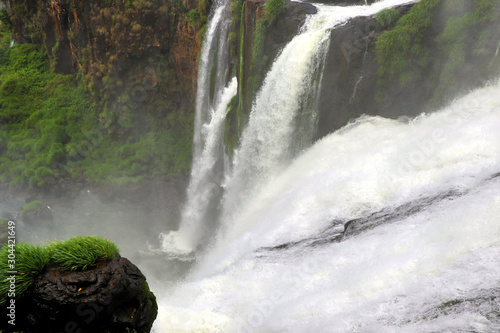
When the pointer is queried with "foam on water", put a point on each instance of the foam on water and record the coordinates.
(434, 270)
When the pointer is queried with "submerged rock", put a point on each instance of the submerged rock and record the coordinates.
(112, 297)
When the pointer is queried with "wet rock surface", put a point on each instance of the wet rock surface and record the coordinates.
(112, 297)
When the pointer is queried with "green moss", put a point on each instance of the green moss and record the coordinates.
(77, 253)
(29, 261)
(53, 127)
(31, 207)
(272, 10)
(463, 35)
(394, 47)
(81, 253)
(387, 17)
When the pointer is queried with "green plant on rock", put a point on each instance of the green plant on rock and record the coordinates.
(30, 260)
(31, 207)
(396, 47)
(77, 253)
(272, 10)
(387, 17)
(81, 253)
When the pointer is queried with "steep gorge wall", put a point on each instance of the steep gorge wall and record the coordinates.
(139, 60)
(124, 49)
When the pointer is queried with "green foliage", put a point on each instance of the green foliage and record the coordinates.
(259, 39)
(5, 18)
(467, 35)
(30, 260)
(395, 47)
(233, 43)
(53, 128)
(81, 253)
(31, 207)
(43, 112)
(193, 17)
(387, 17)
(77, 253)
(235, 9)
(272, 10)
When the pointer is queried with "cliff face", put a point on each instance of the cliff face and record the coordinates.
(132, 50)
(371, 69)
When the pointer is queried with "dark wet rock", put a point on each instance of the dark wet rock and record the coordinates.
(114, 297)
(339, 230)
(287, 26)
(349, 84)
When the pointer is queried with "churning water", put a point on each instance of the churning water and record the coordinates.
(383, 226)
(433, 268)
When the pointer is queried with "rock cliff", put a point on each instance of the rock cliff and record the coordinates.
(126, 51)
(371, 69)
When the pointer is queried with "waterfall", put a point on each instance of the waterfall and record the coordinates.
(429, 264)
(281, 124)
(212, 99)
(283, 118)
(382, 226)
(204, 184)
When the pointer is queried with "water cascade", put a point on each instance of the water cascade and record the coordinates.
(207, 167)
(382, 226)
(428, 267)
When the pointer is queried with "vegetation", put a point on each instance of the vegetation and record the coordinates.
(52, 128)
(31, 207)
(248, 85)
(467, 36)
(399, 47)
(259, 60)
(77, 253)
(387, 17)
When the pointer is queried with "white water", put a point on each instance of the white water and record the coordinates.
(208, 147)
(202, 184)
(271, 138)
(434, 269)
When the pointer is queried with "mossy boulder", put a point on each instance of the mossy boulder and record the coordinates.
(36, 211)
(80, 285)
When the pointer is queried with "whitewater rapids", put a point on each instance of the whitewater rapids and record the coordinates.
(434, 269)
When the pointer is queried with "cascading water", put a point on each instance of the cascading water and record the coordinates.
(382, 226)
(212, 100)
(275, 132)
(432, 268)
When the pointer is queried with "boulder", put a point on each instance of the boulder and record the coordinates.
(37, 212)
(112, 297)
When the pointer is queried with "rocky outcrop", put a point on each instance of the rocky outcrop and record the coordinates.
(350, 77)
(286, 27)
(133, 50)
(281, 32)
(112, 297)
(434, 73)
